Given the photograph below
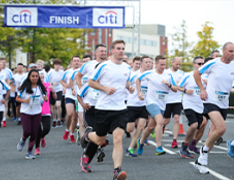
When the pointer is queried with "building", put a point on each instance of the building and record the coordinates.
(152, 43)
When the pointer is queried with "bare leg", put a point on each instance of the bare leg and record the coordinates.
(176, 126)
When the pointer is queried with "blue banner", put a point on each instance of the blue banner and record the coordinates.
(64, 17)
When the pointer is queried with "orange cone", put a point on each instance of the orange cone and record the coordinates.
(181, 129)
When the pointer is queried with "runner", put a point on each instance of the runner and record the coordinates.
(159, 83)
(31, 95)
(111, 78)
(220, 79)
(54, 77)
(136, 107)
(71, 118)
(192, 104)
(174, 106)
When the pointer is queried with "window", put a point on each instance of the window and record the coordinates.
(93, 33)
(110, 32)
(99, 36)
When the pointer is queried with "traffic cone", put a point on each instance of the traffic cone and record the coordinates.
(181, 129)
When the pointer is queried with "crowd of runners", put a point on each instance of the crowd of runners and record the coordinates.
(117, 95)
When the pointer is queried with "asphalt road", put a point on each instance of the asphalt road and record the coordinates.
(59, 160)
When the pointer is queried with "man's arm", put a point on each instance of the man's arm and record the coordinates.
(78, 79)
(197, 77)
(98, 86)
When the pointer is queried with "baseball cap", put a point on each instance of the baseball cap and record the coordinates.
(32, 65)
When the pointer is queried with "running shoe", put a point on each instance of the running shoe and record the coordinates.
(65, 135)
(128, 135)
(30, 156)
(54, 124)
(85, 165)
(146, 143)
(19, 123)
(139, 147)
(203, 158)
(43, 142)
(163, 129)
(59, 124)
(219, 141)
(83, 141)
(119, 175)
(230, 150)
(78, 137)
(160, 151)
(100, 155)
(105, 143)
(174, 144)
(184, 152)
(37, 151)
(194, 149)
(130, 153)
(15, 118)
(72, 139)
(20, 144)
(153, 134)
(202, 169)
(4, 124)
(62, 121)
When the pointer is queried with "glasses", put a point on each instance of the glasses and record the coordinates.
(200, 64)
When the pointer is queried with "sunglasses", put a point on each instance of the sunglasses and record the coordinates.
(200, 64)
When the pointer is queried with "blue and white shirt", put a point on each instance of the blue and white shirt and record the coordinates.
(3, 88)
(55, 77)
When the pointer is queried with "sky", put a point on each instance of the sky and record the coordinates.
(171, 13)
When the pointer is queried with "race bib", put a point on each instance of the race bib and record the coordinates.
(160, 95)
(95, 94)
(84, 80)
(144, 90)
(196, 91)
(221, 96)
(35, 100)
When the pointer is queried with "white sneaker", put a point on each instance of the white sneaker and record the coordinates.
(202, 169)
(203, 158)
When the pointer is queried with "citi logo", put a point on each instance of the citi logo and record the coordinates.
(109, 18)
(25, 16)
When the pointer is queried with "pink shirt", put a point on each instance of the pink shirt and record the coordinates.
(46, 105)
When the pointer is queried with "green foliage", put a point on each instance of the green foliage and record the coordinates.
(205, 44)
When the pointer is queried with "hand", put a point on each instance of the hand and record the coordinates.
(86, 107)
(110, 90)
(3, 101)
(51, 88)
(165, 82)
(55, 83)
(140, 96)
(131, 89)
(45, 98)
(68, 86)
(189, 91)
(27, 100)
(203, 95)
(73, 92)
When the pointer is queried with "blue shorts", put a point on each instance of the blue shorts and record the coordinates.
(69, 100)
(154, 109)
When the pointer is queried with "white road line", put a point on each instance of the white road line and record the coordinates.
(165, 149)
(220, 147)
(217, 175)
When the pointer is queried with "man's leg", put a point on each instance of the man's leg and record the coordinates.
(58, 111)
(81, 122)
(148, 130)
(70, 111)
(176, 126)
(73, 126)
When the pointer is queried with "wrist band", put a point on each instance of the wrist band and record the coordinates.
(185, 91)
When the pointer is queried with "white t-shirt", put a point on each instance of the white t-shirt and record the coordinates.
(18, 79)
(56, 76)
(114, 75)
(87, 69)
(193, 101)
(157, 91)
(133, 99)
(6, 74)
(175, 97)
(219, 82)
(6, 87)
(34, 107)
(66, 78)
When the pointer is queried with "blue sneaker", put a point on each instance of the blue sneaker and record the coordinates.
(139, 147)
(184, 152)
(160, 151)
(15, 118)
(30, 156)
(230, 150)
(20, 145)
(130, 153)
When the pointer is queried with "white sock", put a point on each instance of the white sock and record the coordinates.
(4, 119)
(19, 119)
(129, 148)
(67, 130)
(205, 148)
(71, 134)
(232, 143)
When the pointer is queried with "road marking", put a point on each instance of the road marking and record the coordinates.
(165, 149)
(219, 147)
(217, 175)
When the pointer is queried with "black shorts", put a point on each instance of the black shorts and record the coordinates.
(108, 121)
(137, 112)
(208, 107)
(89, 118)
(59, 97)
(69, 100)
(172, 109)
(193, 117)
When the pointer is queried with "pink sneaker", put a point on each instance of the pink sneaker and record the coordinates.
(3, 123)
(65, 136)
(37, 151)
(43, 142)
(72, 139)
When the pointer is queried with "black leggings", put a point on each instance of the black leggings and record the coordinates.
(13, 102)
(1, 116)
(63, 108)
(44, 129)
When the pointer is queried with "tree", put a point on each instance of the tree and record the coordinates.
(181, 47)
(205, 44)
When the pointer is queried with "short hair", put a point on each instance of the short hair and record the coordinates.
(137, 58)
(207, 59)
(20, 64)
(57, 61)
(74, 57)
(225, 45)
(157, 58)
(87, 56)
(40, 61)
(124, 60)
(117, 42)
(197, 57)
(99, 45)
(212, 53)
(47, 67)
(144, 57)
